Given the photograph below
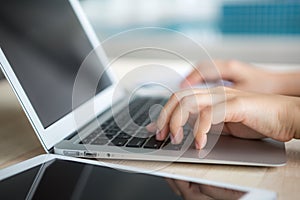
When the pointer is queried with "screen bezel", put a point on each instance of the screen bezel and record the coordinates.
(251, 193)
(66, 125)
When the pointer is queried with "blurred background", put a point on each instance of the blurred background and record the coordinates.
(250, 30)
(265, 31)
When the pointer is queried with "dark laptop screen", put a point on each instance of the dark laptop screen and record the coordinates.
(45, 45)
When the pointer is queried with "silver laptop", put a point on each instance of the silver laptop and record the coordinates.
(44, 44)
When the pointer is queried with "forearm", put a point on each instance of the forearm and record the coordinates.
(287, 83)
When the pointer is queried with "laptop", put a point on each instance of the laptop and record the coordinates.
(43, 47)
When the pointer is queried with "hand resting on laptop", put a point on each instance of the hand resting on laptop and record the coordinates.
(246, 77)
(257, 114)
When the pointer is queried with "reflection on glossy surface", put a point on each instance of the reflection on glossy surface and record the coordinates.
(193, 191)
(59, 179)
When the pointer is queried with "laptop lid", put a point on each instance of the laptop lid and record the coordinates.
(43, 44)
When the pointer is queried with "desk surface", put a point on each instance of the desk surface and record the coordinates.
(18, 142)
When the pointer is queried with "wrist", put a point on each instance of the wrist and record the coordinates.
(297, 119)
(285, 83)
(276, 83)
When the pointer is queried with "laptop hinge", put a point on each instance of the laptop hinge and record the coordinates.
(71, 135)
(51, 150)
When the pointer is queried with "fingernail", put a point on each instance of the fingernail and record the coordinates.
(158, 135)
(172, 139)
(203, 142)
(178, 137)
(197, 145)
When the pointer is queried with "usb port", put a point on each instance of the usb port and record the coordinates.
(90, 154)
(71, 153)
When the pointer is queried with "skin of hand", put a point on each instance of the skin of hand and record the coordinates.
(245, 77)
(274, 116)
(191, 191)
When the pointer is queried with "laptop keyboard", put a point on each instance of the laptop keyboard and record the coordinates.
(133, 133)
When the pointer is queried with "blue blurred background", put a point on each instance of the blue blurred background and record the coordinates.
(250, 30)
(197, 17)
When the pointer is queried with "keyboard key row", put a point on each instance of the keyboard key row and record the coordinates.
(124, 139)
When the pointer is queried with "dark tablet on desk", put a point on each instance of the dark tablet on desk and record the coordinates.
(57, 177)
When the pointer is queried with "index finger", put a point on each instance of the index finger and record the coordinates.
(167, 110)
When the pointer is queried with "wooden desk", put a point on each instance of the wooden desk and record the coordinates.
(18, 142)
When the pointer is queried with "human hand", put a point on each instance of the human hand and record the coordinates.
(243, 76)
(273, 116)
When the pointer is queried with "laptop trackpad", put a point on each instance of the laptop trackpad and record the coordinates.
(237, 150)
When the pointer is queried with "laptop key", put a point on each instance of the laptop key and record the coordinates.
(118, 142)
(143, 134)
(109, 135)
(100, 141)
(88, 139)
(153, 143)
(93, 134)
(85, 141)
(170, 146)
(123, 135)
(136, 142)
(98, 131)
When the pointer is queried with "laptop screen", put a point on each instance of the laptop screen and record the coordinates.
(45, 45)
